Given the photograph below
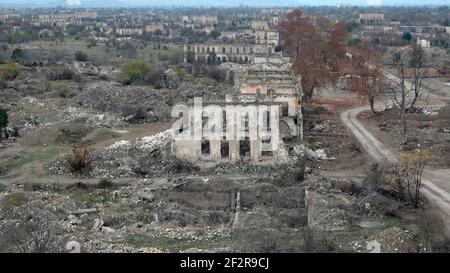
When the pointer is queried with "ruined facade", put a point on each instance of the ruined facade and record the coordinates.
(271, 91)
(377, 17)
(200, 19)
(270, 80)
(263, 34)
(221, 53)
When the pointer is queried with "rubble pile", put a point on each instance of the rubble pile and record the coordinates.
(148, 156)
(303, 150)
(115, 98)
(90, 117)
(389, 240)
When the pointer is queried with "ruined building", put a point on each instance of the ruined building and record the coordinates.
(263, 110)
(262, 41)
(221, 53)
(263, 34)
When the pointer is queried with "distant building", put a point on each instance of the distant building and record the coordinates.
(260, 25)
(243, 53)
(208, 30)
(86, 15)
(5, 17)
(267, 37)
(424, 43)
(228, 34)
(55, 18)
(154, 27)
(200, 19)
(378, 17)
(129, 31)
(275, 20)
(380, 28)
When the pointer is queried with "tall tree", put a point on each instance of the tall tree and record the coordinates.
(365, 63)
(417, 60)
(317, 48)
(401, 90)
(405, 93)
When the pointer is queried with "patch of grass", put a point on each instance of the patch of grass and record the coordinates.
(248, 240)
(207, 82)
(395, 222)
(15, 199)
(171, 244)
(40, 154)
(353, 234)
(89, 197)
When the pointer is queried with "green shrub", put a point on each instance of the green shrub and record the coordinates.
(17, 54)
(10, 71)
(134, 71)
(181, 72)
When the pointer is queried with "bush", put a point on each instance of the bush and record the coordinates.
(134, 113)
(10, 71)
(134, 71)
(180, 166)
(215, 74)
(80, 56)
(79, 160)
(374, 178)
(155, 78)
(105, 184)
(65, 74)
(30, 228)
(278, 48)
(269, 244)
(181, 72)
(45, 86)
(17, 54)
(296, 174)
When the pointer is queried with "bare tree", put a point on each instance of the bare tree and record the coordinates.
(401, 92)
(396, 176)
(414, 163)
(406, 94)
(365, 63)
(29, 228)
(417, 59)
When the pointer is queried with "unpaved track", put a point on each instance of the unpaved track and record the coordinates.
(436, 183)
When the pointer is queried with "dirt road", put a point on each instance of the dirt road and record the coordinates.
(436, 183)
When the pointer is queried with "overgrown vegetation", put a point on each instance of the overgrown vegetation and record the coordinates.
(10, 71)
(79, 159)
(134, 71)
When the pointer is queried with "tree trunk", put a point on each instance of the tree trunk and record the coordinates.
(372, 107)
(416, 96)
(404, 127)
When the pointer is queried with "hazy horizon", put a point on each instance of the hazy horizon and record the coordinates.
(214, 3)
